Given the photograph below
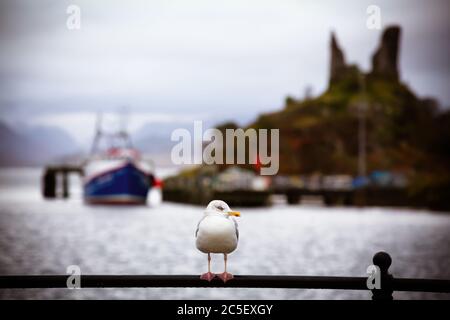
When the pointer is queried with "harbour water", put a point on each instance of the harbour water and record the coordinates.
(45, 237)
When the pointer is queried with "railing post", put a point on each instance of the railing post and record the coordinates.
(383, 261)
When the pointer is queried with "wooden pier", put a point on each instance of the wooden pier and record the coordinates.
(236, 198)
(250, 198)
(367, 196)
(50, 183)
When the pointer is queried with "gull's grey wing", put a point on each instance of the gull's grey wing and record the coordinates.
(237, 229)
(198, 225)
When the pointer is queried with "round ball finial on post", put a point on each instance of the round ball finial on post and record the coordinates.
(383, 260)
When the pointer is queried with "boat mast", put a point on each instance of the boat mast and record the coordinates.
(98, 133)
(123, 133)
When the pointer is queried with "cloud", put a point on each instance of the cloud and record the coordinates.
(223, 60)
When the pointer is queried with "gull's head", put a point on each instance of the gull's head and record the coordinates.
(221, 207)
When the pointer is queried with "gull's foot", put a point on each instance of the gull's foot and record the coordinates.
(207, 276)
(225, 276)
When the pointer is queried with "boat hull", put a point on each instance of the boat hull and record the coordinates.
(125, 184)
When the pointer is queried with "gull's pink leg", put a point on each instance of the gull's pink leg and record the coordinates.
(209, 275)
(225, 276)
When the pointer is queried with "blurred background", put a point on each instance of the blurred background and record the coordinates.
(90, 93)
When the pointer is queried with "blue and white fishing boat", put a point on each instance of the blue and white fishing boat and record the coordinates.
(117, 175)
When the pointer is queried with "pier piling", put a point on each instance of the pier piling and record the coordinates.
(50, 180)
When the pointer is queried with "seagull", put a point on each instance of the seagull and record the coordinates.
(217, 232)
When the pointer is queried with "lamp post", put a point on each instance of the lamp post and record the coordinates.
(362, 108)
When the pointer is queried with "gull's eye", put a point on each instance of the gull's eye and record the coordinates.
(220, 207)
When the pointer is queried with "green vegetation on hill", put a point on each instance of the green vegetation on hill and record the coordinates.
(321, 134)
(404, 134)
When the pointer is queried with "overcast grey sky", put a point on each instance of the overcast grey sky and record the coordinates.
(185, 60)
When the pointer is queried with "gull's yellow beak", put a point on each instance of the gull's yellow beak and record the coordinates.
(234, 213)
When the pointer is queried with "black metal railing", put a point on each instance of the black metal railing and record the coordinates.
(389, 284)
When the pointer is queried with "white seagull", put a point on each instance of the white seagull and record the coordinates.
(217, 232)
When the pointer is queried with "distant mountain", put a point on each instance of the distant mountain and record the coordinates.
(154, 138)
(34, 146)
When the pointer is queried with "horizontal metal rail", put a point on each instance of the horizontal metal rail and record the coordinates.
(243, 281)
(389, 284)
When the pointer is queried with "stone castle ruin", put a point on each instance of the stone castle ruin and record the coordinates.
(384, 60)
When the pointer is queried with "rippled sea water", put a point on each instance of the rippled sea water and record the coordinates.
(44, 237)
